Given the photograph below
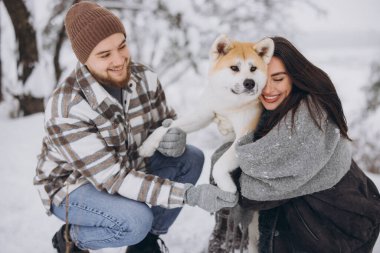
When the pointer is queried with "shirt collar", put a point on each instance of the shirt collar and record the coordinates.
(94, 92)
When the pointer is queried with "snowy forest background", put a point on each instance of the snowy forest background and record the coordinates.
(342, 37)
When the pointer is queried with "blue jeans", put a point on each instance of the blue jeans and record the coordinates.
(101, 220)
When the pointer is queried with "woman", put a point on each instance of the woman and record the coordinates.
(297, 169)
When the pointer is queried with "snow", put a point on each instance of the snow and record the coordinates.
(346, 57)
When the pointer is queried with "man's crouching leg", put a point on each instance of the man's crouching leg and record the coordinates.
(101, 220)
(184, 169)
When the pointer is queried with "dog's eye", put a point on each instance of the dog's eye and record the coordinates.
(234, 68)
(253, 68)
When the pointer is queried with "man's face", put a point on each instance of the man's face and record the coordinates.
(108, 61)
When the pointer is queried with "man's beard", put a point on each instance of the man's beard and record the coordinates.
(108, 80)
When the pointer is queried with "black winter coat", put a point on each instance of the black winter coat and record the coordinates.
(345, 218)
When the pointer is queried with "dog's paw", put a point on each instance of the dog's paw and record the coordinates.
(224, 181)
(146, 150)
(228, 187)
(151, 144)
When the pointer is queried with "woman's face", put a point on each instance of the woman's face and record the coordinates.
(278, 86)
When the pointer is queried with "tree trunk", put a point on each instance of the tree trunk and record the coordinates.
(60, 39)
(29, 104)
(26, 37)
(27, 53)
(57, 50)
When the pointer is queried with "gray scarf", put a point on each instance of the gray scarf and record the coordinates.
(290, 162)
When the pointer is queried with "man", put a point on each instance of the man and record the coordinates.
(89, 172)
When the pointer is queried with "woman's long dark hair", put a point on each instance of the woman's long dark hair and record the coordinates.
(307, 80)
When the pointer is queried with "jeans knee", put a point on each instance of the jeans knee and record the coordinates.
(196, 159)
(137, 228)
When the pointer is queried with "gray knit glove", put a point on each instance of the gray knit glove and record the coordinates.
(209, 197)
(173, 143)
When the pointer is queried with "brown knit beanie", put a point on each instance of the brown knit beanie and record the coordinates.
(87, 24)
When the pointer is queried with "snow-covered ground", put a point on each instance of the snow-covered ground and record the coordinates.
(26, 228)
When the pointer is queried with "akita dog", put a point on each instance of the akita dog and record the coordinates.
(237, 75)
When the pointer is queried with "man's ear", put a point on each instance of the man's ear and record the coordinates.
(221, 46)
(265, 49)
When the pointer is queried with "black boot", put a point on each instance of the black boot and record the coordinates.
(59, 243)
(219, 243)
(150, 244)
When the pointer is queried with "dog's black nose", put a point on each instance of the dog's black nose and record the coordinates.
(249, 84)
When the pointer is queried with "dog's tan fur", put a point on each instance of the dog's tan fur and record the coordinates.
(243, 50)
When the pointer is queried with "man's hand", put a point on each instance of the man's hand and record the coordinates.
(209, 197)
(173, 143)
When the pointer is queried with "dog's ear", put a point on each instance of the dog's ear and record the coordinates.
(265, 49)
(221, 46)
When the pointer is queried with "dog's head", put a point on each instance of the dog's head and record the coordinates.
(240, 68)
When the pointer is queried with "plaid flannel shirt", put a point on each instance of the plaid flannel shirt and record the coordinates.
(92, 138)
